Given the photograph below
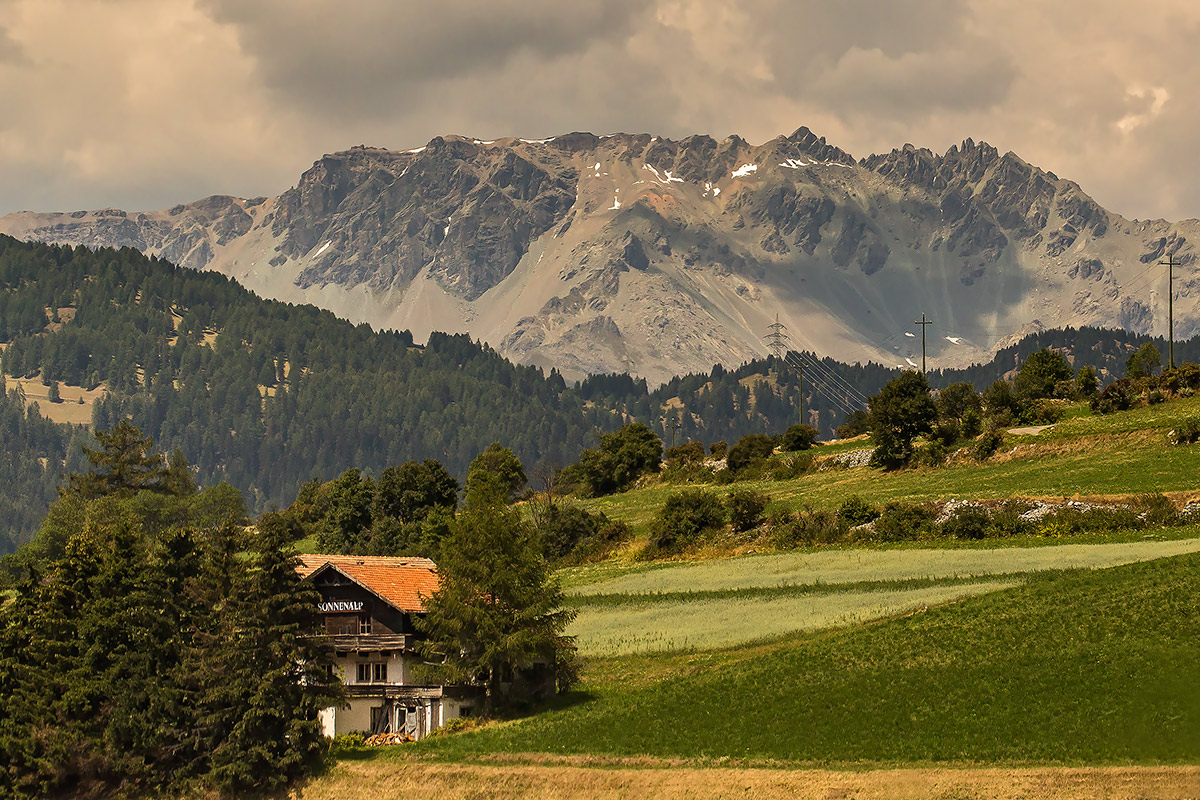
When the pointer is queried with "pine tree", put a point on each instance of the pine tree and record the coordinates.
(274, 670)
(126, 462)
(496, 618)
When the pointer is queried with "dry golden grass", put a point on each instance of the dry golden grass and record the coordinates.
(70, 410)
(563, 779)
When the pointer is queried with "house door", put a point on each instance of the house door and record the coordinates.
(381, 718)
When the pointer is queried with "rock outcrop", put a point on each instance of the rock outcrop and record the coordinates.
(634, 252)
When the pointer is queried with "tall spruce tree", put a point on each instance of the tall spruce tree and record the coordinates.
(274, 672)
(159, 654)
(496, 619)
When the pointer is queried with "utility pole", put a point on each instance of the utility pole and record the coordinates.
(1170, 265)
(777, 343)
(923, 322)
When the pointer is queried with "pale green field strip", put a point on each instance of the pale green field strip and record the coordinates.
(859, 565)
(707, 624)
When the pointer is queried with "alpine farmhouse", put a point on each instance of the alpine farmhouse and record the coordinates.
(368, 604)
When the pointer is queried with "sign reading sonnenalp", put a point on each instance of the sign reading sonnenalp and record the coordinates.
(343, 606)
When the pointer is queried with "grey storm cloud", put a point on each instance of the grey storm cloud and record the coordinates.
(145, 103)
(366, 57)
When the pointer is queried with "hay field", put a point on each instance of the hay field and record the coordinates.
(600, 780)
(722, 603)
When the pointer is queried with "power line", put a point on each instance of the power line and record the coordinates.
(843, 399)
(923, 323)
(831, 376)
(827, 374)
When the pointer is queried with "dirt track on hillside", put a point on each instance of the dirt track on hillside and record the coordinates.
(383, 778)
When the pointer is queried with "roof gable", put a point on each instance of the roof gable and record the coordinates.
(399, 582)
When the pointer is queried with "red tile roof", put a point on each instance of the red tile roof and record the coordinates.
(399, 581)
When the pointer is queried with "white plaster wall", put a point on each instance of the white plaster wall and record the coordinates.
(328, 719)
(356, 717)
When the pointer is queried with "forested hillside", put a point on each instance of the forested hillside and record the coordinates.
(260, 393)
(33, 453)
(763, 396)
(267, 395)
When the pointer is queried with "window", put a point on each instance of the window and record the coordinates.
(372, 672)
(364, 624)
(464, 711)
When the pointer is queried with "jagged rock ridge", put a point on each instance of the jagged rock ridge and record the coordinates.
(638, 253)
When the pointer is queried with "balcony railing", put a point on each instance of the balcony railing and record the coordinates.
(370, 641)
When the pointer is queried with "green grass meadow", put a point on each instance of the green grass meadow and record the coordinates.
(724, 602)
(1029, 650)
(1074, 667)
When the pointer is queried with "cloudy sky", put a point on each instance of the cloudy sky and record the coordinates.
(144, 103)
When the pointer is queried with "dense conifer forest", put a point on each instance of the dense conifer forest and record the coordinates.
(267, 395)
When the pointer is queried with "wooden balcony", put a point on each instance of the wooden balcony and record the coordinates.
(369, 641)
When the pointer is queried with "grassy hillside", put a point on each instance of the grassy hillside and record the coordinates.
(1082, 456)
(1098, 667)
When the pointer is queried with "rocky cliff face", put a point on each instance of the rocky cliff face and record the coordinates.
(632, 252)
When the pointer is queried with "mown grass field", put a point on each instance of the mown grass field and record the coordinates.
(721, 603)
(1078, 667)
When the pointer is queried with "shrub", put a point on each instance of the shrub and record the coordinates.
(786, 469)
(746, 508)
(903, 521)
(987, 444)
(947, 431)
(798, 437)
(855, 424)
(1007, 522)
(1157, 510)
(809, 528)
(1186, 432)
(724, 477)
(972, 424)
(1073, 521)
(967, 522)
(718, 449)
(598, 545)
(1154, 397)
(347, 743)
(1185, 376)
(1066, 390)
(1117, 396)
(684, 519)
(565, 529)
(1041, 413)
(998, 398)
(929, 454)
(750, 448)
(686, 453)
(956, 400)
(856, 511)
(1086, 383)
(687, 473)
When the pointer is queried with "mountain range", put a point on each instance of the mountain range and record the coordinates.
(640, 254)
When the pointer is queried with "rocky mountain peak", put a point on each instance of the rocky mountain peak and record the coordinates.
(636, 252)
